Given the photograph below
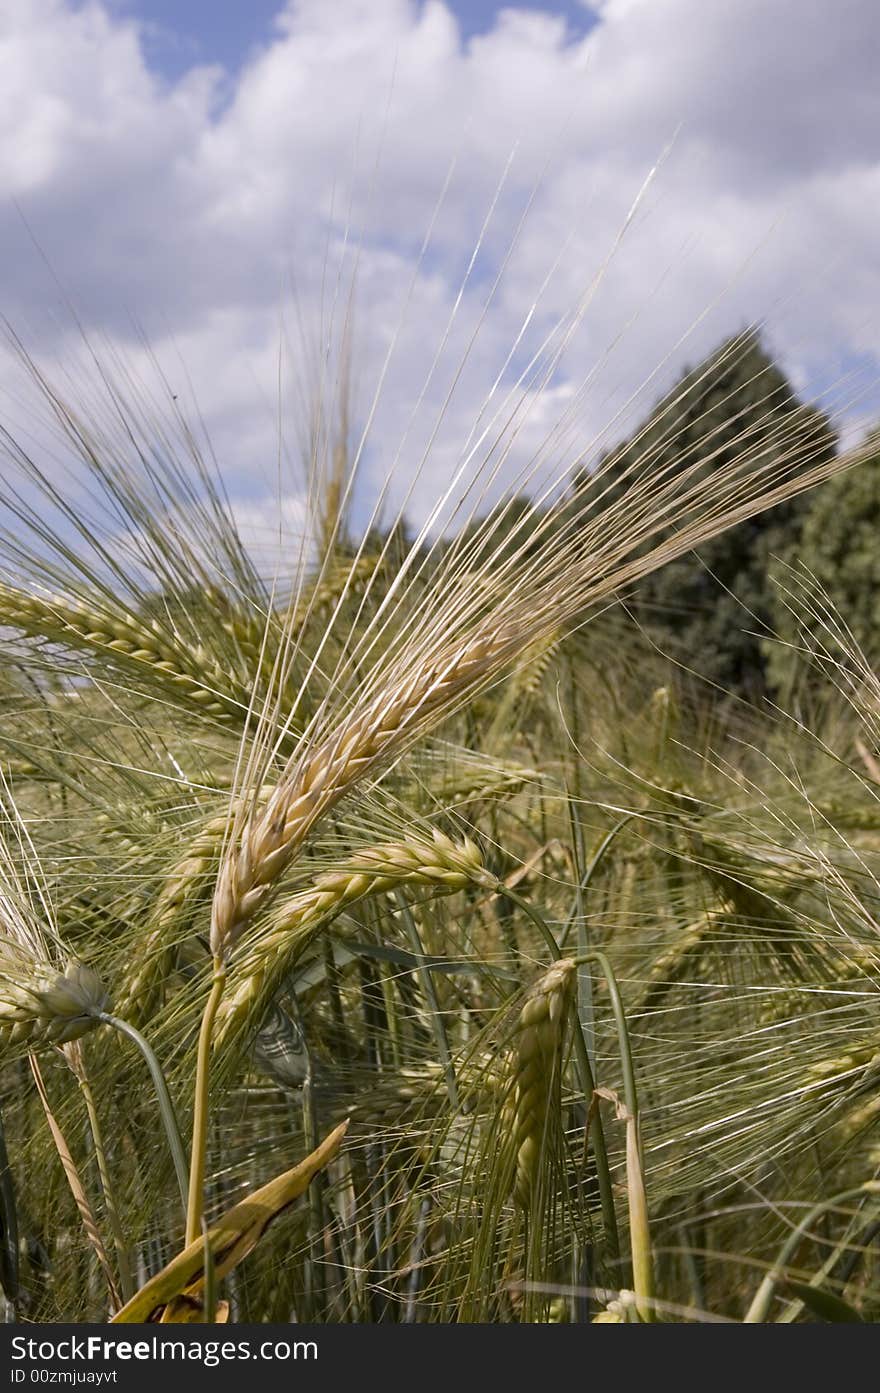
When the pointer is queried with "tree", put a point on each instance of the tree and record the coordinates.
(838, 541)
(707, 611)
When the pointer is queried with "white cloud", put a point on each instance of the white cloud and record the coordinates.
(212, 213)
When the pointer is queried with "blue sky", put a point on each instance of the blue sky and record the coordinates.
(180, 33)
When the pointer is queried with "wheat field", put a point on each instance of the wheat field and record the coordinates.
(401, 936)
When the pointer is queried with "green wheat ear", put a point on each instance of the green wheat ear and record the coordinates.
(537, 1074)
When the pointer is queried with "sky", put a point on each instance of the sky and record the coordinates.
(180, 33)
(221, 195)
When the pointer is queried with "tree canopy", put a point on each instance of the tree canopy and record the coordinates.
(838, 542)
(709, 610)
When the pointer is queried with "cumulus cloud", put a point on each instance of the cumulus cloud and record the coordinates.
(224, 217)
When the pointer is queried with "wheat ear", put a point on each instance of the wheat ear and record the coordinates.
(365, 739)
(41, 1006)
(190, 670)
(675, 960)
(440, 863)
(537, 1072)
(465, 641)
(500, 779)
(348, 581)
